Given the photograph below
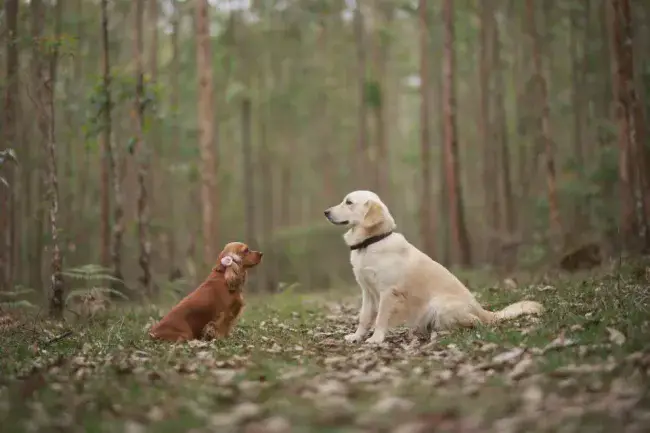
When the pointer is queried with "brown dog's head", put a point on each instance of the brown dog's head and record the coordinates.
(234, 260)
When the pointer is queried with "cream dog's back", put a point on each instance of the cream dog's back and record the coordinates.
(399, 283)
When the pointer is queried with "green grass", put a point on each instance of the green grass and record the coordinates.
(286, 365)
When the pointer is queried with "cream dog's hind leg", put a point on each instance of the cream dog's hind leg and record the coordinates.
(366, 316)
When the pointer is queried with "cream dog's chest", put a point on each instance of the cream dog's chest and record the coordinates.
(376, 270)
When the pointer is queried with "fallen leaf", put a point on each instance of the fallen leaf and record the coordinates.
(521, 368)
(506, 357)
(392, 404)
(560, 342)
(616, 336)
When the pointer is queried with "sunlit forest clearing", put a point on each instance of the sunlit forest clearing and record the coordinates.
(507, 137)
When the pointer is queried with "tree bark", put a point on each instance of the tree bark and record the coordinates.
(362, 160)
(11, 109)
(426, 214)
(209, 193)
(141, 153)
(56, 279)
(381, 166)
(501, 137)
(462, 251)
(634, 182)
(491, 199)
(175, 139)
(35, 177)
(111, 154)
(249, 173)
(551, 183)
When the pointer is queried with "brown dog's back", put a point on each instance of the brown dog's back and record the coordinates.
(210, 303)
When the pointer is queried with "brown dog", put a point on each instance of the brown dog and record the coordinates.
(211, 309)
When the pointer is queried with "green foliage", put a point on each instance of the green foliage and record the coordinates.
(94, 291)
(90, 272)
(122, 91)
(373, 94)
(295, 249)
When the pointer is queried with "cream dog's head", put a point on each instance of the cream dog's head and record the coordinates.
(362, 209)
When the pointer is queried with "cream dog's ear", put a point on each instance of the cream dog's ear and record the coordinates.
(374, 215)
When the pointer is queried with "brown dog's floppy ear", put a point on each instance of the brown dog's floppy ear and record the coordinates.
(374, 215)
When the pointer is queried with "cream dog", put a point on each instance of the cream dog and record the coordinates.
(399, 283)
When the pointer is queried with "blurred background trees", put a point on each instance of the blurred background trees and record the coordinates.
(501, 133)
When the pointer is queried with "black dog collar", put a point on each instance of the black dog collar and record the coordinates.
(371, 240)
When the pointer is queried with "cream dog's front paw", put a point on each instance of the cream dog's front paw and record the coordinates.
(376, 338)
(353, 338)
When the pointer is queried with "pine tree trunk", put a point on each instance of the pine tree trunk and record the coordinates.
(111, 154)
(361, 166)
(157, 180)
(209, 193)
(501, 126)
(381, 166)
(175, 139)
(327, 153)
(249, 177)
(10, 123)
(142, 157)
(634, 183)
(578, 77)
(462, 251)
(551, 183)
(491, 199)
(56, 279)
(426, 199)
(266, 200)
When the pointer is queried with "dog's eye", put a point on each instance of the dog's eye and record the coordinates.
(348, 202)
(246, 251)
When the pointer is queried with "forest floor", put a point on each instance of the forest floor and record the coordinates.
(581, 367)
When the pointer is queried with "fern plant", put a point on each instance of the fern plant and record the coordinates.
(15, 299)
(91, 273)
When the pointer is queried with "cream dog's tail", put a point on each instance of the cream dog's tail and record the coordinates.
(511, 311)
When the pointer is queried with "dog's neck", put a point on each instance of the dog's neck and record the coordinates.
(358, 234)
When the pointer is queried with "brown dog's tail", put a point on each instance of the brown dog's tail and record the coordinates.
(511, 311)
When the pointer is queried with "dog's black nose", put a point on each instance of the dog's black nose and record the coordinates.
(327, 213)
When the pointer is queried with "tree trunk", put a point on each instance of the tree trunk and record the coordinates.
(426, 199)
(111, 154)
(141, 154)
(501, 137)
(209, 193)
(156, 181)
(10, 122)
(578, 78)
(175, 139)
(462, 252)
(551, 184)
(361, 166)
(56, 283)
(266, 190)
(249, 174)
(634, 183)
(491, 199)
(381, 166)
(35, 176)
